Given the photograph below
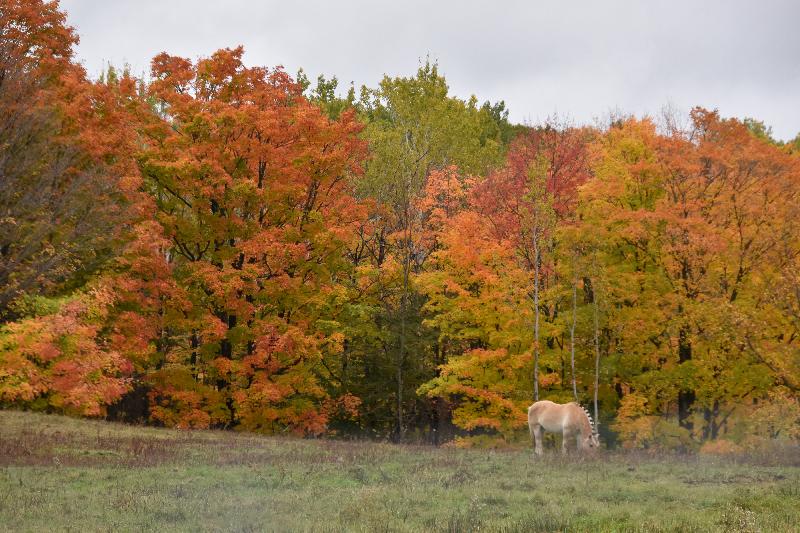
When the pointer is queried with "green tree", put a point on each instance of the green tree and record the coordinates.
(413, 127)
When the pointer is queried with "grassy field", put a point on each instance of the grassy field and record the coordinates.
(58, 473)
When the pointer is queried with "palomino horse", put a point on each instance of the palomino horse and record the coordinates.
(570, 419)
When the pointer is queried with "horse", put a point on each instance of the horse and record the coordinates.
(570, 419)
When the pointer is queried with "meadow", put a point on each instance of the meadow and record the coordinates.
(64, 474)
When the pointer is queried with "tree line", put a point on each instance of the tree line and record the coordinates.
(220, 245)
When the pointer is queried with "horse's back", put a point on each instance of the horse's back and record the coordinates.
(548, 414)
(547, 405)
(540, 406)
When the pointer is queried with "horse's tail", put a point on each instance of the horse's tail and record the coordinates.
(530, 426)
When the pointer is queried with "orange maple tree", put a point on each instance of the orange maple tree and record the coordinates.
(251, 188)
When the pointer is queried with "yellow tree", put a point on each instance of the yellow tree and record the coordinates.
(689, 223)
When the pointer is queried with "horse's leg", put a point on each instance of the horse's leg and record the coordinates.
(565, 436)
(533, 436)
(537, 433)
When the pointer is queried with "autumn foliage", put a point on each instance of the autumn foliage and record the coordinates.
(238, 250)
(61, 360)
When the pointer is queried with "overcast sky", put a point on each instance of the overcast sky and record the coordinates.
(577, 59)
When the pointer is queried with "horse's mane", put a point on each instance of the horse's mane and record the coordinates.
(589, 416)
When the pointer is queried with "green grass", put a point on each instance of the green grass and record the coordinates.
(59, 473)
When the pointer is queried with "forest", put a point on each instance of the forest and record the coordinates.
(217, 245)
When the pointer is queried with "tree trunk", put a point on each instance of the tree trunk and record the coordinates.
(195, 343)
(402, 350)
(536, 316)
(226, 351)
(686, 395)
(711, 419)
(572, 337)
(596, 361)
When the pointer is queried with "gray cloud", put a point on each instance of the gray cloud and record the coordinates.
(579, 59)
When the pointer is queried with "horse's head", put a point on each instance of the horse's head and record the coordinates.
(591, 442)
